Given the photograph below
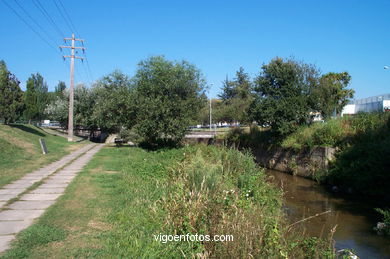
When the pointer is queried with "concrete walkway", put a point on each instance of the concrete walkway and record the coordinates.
(20, 214)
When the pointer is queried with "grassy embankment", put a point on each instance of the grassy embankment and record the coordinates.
(125, 196)
(20, 151)
(362, 162)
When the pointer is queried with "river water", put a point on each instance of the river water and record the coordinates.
(354, 219)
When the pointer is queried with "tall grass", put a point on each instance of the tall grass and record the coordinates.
(339, 132)
(223, 192)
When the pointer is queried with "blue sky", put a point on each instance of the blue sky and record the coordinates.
(217, 36)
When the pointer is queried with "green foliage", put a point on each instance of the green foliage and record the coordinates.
(252, 138)
(130, 135)
(60, 88)
(386, 220)
(168, 96)
(332, 133)
(114, 102)
(331, 94)
(282, 95)
(35, 97)
(58, 109)
(37, 235)
(222, 191)
(11, 104)
(236, 97)
(363, 165)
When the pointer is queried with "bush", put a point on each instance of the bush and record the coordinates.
(130, 135)
(386, 221)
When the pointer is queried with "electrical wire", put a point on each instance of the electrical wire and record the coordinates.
(29, 26)
(48, 17)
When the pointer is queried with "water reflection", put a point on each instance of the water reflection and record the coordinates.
(354, 219)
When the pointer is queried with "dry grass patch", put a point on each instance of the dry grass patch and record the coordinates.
(27, 146)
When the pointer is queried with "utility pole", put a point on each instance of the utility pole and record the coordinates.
(71, 89)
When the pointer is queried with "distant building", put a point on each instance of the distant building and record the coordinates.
(370, 104)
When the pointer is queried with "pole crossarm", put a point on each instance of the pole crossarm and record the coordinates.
(73, 57)
(65, 39)
(69, 47)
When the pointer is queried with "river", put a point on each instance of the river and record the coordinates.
(354, 219)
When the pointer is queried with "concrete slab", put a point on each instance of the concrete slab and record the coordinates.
(57, 181)
(10, 215)
(5, 242)
(48, 190)
(40, 197)
(31, 177)
(31, 205)
(16, 186)
(59, 176)
(57, 185)
(11, 191)
(23, 181)
(2, 203)
(7, 197)
(13, 227)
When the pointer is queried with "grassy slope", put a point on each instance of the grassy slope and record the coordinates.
(21, 153)
(113, 209)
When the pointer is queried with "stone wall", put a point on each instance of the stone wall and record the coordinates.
(304, 162)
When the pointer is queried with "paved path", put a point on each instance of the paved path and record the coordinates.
(20, 214)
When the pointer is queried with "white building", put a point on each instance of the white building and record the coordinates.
(370, 104)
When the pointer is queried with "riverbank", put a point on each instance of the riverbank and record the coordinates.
(360, 144)
(126, 196)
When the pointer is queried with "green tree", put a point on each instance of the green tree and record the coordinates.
(60, 88)
(282, 94)
(114, 102)
(36, 97)
(168, 98)
(237, 97)
(228, 90)
(331, 94)
(11, 102)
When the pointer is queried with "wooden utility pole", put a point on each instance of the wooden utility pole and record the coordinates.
(71, 90)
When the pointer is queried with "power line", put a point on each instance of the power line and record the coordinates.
(35, 22)
(71, 26)
(63, 16)
(89, 69)
(70, 20)
(48, 17)
(29, 26)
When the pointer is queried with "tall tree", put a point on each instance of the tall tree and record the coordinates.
(11, 103)
(228, 90)
(331, 94)
(282, 94)
(114, 102)
(36, 97)
(237, 97)
(168, 98)
(60, 88)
